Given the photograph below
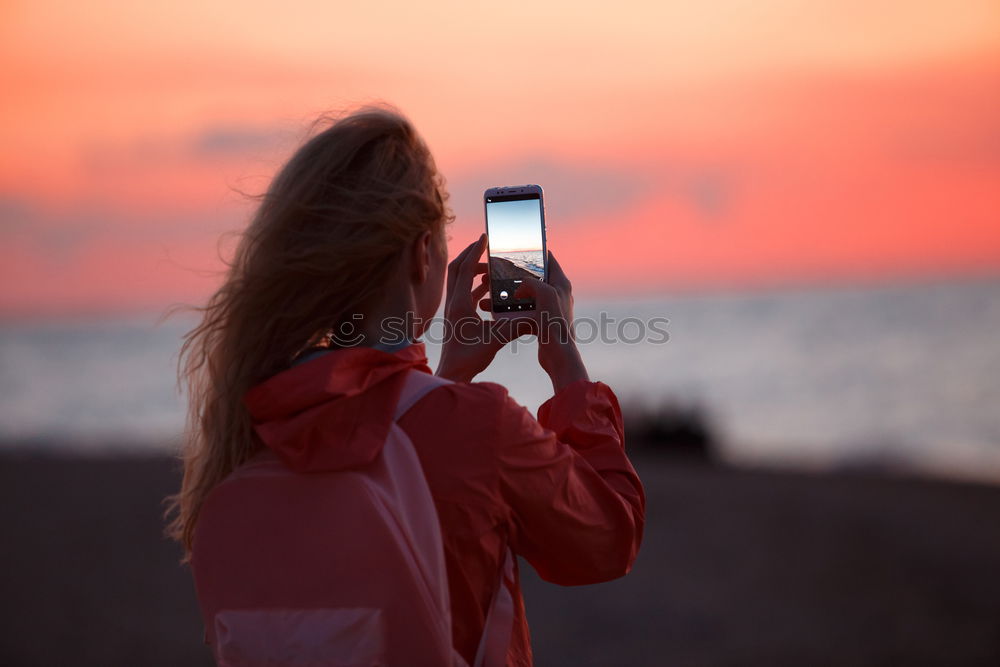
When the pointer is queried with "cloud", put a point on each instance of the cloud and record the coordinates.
(966, 146)
(62, 234)
(579, 190)
(15, 212)
(237, 141)
(574, 190)
(710, 193)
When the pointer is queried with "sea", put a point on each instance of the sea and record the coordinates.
(902, 377)
(529, 260)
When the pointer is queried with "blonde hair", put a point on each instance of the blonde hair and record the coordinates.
(322, 243)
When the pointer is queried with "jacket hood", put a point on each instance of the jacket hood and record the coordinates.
(332, 412)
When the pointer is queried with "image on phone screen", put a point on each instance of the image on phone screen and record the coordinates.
(517, 247)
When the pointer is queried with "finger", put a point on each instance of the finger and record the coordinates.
(508, 326)
(482, 267)
(453, 268)
(479, 290)
(535, 289)
(467, 268)
(455, 264)
(556, 275)
(524, 326)
(486, 305)
(462, 255)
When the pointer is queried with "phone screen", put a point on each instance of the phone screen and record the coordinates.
(517, 247)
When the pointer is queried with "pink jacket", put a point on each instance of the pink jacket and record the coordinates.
(559, 490)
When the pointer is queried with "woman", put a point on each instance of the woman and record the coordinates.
(350, 235)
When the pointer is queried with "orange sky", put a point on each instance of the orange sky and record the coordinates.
(729, 143)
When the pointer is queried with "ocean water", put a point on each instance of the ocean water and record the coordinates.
(903, 377)
(529, 260)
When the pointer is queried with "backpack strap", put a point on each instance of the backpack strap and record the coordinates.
(492, 651)
(417, 385)
(493, 645)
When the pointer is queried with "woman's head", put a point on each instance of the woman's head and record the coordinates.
(343, 221)
(356, 216)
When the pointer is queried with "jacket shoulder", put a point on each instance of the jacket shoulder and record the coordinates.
(469, 396)
(479, 410)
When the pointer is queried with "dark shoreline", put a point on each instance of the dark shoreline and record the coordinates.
(738, 567)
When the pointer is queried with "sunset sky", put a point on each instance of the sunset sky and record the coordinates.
(681, 145)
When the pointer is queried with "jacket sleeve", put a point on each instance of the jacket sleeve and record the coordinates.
(577, 505)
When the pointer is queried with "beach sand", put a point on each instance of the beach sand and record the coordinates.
(737, 568)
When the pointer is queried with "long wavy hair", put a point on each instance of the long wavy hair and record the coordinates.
(322, 244)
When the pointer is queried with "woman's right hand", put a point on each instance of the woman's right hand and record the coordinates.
(553, 325)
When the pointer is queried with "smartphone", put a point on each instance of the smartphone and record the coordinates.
(515, 230)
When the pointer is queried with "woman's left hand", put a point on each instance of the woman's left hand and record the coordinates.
(470, 342)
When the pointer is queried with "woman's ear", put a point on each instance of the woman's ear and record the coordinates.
(420, 257)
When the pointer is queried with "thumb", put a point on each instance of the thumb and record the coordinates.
(534, 288)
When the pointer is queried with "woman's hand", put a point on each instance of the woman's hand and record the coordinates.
(552, 322)
(470, 342)
(553, 317)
